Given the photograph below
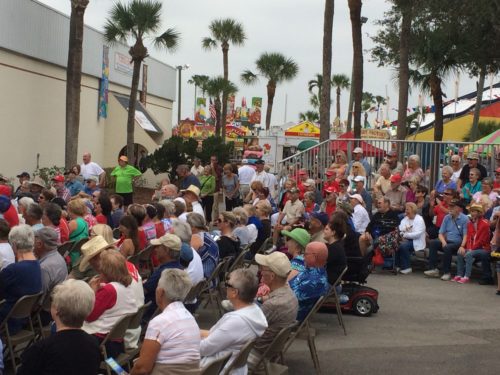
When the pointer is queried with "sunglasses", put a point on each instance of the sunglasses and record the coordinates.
(229, 285)
(447, 194)
(455, 161)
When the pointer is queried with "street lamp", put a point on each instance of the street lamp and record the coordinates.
(351, 93)
(180, 68)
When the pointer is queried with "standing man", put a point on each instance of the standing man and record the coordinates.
(186, 179)
(217, 170)
(197, 169)
(395, 165)
(24, 176)
(89, 168)
(357, 155)
(245, 174)
(260, 175)
(472, 162)
(125, 175)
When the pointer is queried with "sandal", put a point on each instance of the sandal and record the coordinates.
(498, 293)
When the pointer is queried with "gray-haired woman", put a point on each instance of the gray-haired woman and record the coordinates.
(172, 341)
(70, 350)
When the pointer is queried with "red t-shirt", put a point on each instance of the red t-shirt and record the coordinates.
(160, 229)
(11, 216)
(101, 219)
(440, 214)
(64, 230)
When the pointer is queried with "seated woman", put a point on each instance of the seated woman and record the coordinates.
(78, 227)
(228, 244)
(103, 210)
(70, 350)
(203, 243)
(147, 230)
(357, 169)
(296, 241)
(477, 246)
(128, 244)
(412, 231)
(172, 341)
(21, 278)
(113, 298)
(472, 186)
(52, 217)
(241, 231)
(310, 205)
(413, 169)
(446, 182)
(237, 327)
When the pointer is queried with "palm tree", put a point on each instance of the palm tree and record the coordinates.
(316, 83)
(218, 88)
(136, 21)
(357, 61)
(276, 68)
(73, 81)
(341, 82)
(366, 104)
(224, 32)
(380, 100)
(199, 81)
(325, 102)
(312, 116)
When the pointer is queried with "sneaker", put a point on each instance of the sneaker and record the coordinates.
(432, 273)
(446, 277)
(463, 280)
(457, 278)
(406, 271)
(398, 269)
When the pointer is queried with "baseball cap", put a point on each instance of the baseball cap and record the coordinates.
(359, 179)
(321, 216)
(330, 172)
(92, 178)
(294, 190)
(331, 189)
(260, 161)
(302, 172)
(392, 153)
(171, 241)
(23, 174)
(186, 252)
(473, 155)
(357, 150)
(276, 261)
(457, 202)
(358, 197)
(58, 178)
(396, 177)
(309, 182)
(48, 236)
(300, 235)
(123, 158)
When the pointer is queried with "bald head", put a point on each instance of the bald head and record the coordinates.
(316, 254)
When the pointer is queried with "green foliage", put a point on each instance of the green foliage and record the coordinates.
(177, 150)
(224, 31)
(312, 116)
(484, 128)
(47, 173)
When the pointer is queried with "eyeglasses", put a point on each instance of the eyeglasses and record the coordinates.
(229, 285)
(471, 174)
(41, 197)
(456, 161)
(355, 166)
(88, 182)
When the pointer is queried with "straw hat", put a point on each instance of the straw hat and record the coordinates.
(39, 182)
(90, 249)
(192, 189)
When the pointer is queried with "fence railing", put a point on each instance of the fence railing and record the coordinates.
(433, 156)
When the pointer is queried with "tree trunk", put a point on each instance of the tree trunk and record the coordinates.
(217, 117)
(404, 70)
(271, 91)
(338, 102)
(325, 99)
(477, 108)
(437, 97)
(225, 62)
(357, 44)
(73, 81)
(131, 111)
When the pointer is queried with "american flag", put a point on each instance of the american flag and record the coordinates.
(211, 108)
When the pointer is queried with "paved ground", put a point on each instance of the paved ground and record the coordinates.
(424, 326)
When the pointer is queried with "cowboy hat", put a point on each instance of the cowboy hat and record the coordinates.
(192, 189)
(90, 249)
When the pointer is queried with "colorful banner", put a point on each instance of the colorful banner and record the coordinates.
(104, 84)
(304, 129)
(230, 109)
(123, 64)
(201, 115)
(242, 112)
(255, 112)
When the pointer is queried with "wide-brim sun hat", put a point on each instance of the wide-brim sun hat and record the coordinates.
(299, 235)
(90, 249)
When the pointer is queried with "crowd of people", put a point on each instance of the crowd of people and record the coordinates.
(310, 223)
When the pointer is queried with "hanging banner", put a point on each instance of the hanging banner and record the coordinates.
(200, 116)
(104, 84)
(230, 109)
(123, 64)
(255, 112)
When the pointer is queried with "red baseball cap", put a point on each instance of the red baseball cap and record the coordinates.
(330, 172)
(303, 172)
(396, 178)
(58, 178)
(331, 189)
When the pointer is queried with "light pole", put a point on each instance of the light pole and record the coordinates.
(180, 68)
(351, 93)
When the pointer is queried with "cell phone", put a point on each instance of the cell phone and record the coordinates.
(115, 366)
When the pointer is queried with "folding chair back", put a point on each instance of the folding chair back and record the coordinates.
(238, 261)
(77, 247)
(145, 257)
(215, 274)
(276, 347)
(241, 358)
(215, 367)
(24, 307)
(118, 330)
(65, 248)
(135, 259)
(266, 245)
(195, 291)
(333, 294)
(135, 319)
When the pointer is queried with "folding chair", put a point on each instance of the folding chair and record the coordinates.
(265, 246)
(42, 304)
(241, 358)
(306, 332)
(195, 291)
(213, 291)
(215, 367)
(238, 261)
(273, 351)
(145, 259)
(65, 248)
(116, 333)
(135, 259)
(134, 323)
(332, 294)
(77, 247)
(23, 309)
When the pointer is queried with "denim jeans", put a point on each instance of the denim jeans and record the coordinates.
(468, 259)
(448, 251)
(403, 254)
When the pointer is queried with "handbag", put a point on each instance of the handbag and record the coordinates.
(388, 243)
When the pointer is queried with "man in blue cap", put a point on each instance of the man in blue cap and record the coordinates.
(317, 223)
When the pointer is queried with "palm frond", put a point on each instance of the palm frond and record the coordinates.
(168, 40)
(208, 43)
(114, 34)
(227, 30)
(248, 77)
(146, 14)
